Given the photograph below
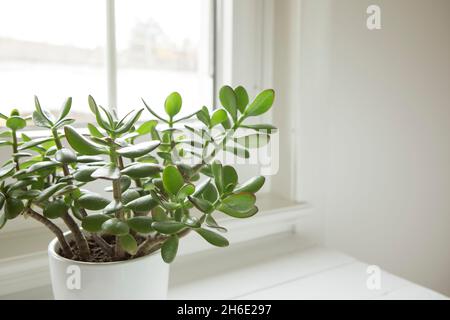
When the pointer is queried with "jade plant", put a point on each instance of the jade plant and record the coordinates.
(156, 195)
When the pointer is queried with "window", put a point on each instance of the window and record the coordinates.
(116, 50)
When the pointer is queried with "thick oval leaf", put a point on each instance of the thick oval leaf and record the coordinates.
(213, 238)
(6, 171)
(141, 224)
(32, 143)
(89, 159)
(16, 123)
(138, 150)
(229, 101)
(127, 125)
(84, 174)
(55, 209)
(81, 144)
(242, 202)
(42, 166)
(185, 191)
(115, 227)
(159, 214)
(203, 116)
(169, 248)
(202, 204)
(168, 227)
(93, 223)
(129, 195)
(65, 108)
(241, 97)
(212, 223)
(48, 192)
(141, 170)
(40, 121)
(128, 243)
(92, 201)
(147, 127)
(113, 207)
(262, 103)
(172, 179)
(108, 172)
(65, 156)
(2, 200)
(13, 207)
(252, 185)
(173, 104)
(142, 204)
(230, 178)
(218, 117)
(216, 169)
(238, 214)
(201, 187)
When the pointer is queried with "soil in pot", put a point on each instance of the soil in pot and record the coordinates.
(98, 255)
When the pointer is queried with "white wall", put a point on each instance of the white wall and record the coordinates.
(383, 98)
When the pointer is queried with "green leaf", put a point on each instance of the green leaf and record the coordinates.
(55, 209)
(129, 195)
(65, 109)
(218, 117)
(3, 219)
(169, 248)
(142, 204)
(256, 140)
(65, 156)
(48, 116)
(13, 208)
(16, 123)
(168, 227)
(40, 121)
(141, 170)
(153, 112)
(229, 101)
(81, 144)
(34, 142)
(242, 202)
(126, 126)
(6, 171)
(262, 103)
(2, 200)
(92, 201)
(158, 214)
(89, 159)
(94, 131)
(128, 243)
(84, 174)
(172, 179)
(185, 191)
(252, 185)
(202, 204)
(48, 192)
(210, 193)
(210, 222)
(42, 166)
(201, 187)
(216, 168)
(138, 150)
(203, 116)
(93, 223)
(141, 224)
(230, 178)
(213, 238)
(241, 98)
(238, 214)
(147, 127)
(113, 207)
(107, 172)
(115, 227)
(173, 104)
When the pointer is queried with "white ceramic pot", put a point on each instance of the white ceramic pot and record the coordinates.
(143, 278)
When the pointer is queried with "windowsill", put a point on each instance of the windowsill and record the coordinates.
(277, 267)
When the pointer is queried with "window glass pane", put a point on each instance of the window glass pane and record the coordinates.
(163, 46)
(54, 49)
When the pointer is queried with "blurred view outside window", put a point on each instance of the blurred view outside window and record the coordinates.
(55, 49)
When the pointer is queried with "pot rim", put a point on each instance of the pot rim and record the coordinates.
(53, 254)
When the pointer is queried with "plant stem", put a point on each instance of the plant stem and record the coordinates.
(105, 246)
(79, 237)
(15, 146)
(53, 228)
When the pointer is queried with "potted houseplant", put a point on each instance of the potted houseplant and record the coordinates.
(110, 250)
